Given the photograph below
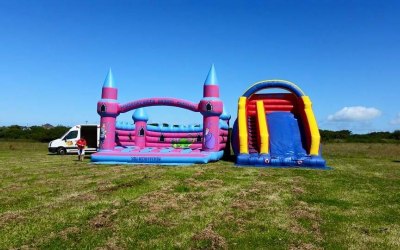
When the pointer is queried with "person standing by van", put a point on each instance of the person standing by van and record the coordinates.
(81, 143)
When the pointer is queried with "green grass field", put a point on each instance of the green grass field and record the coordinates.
(52, 202)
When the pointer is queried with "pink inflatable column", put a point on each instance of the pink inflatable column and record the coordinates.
(211, 108)
(140, 118)
(108, 109)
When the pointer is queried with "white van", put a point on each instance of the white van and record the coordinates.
(67, 143)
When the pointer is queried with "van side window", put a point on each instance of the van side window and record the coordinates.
(71, 135)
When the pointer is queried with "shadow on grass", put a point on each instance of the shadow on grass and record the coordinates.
(230, 158)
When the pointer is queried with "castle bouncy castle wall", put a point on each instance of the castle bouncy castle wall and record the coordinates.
(161, 135)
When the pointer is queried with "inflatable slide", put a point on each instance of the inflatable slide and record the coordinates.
(276, 129)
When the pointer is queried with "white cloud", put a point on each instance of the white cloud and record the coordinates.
(355, 114)
(396, 120)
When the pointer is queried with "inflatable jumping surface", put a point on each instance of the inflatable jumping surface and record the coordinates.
(160, 143)
(276, 129)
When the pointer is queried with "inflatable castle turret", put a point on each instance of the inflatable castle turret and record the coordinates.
(108, 109)
(211, 107)
(140, 119)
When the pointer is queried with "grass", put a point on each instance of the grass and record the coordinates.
(52, 202)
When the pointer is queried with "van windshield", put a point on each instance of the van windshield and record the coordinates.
(71, 135)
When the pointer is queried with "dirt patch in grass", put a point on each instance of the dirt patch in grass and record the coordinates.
(262, 173)
(104, 186)
(198, 173)
(209, 239)
(114, 187)
(259, 195)
(238, 222)
(166, 199)
(243, 205)
(117, 170)
(302, 211)
(69, 231)
(297, 190)
(13, 187)
(103, 219)
(304, 246)
(84, 197)
(159, 201)
(213, 183)
(296, 228)
(156, 220)
(111, 244)
(259, 200)
(394, 235)
(191, 193)
(9, 217)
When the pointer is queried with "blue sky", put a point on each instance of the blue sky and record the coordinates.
(55, 55)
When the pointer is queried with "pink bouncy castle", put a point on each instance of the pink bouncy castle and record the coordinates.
(143, 143)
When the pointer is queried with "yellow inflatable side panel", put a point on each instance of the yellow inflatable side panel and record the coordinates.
(242, 123)
(262, 128)
(312, 122)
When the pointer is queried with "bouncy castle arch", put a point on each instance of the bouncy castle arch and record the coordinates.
(159, 101)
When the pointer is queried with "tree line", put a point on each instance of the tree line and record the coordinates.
(35, 133)
(46, 133)
(348, 136)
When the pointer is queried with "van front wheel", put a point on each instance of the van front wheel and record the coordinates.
(61, 151)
